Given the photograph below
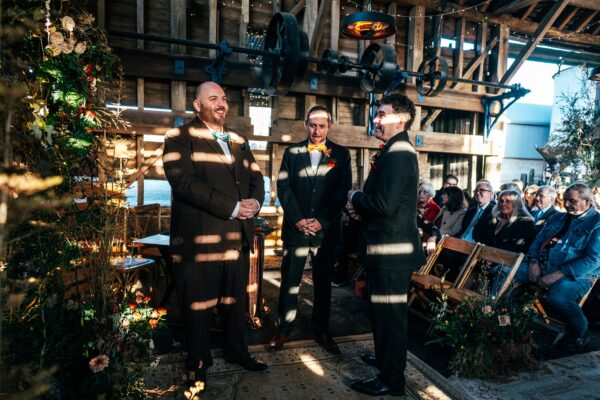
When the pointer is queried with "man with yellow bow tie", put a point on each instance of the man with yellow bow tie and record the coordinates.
(313, 181)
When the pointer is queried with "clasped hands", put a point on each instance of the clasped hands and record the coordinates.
(248, 208)
(309, 226)
(543, 281)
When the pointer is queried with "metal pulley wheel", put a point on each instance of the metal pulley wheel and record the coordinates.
(378, 68)
(430, 80)
(286, 66)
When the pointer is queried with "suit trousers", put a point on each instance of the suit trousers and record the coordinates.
(388, 289)
(201, 287)
(292, 267)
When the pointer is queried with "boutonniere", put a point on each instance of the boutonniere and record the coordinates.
(376, 155)
(331, 163)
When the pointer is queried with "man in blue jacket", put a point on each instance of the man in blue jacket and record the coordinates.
(564, 259)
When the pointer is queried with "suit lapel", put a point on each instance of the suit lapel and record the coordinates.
(215, 147)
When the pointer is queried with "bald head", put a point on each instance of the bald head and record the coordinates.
(211, 105)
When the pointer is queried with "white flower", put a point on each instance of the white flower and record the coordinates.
(151, 344)
(80, 47)
(68, 23)
(504, 320)
(57, 38)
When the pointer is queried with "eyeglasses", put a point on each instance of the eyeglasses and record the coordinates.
(480, 191)
(451, 183)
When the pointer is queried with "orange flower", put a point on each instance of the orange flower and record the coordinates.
(161, 311)
(155, 314)
(153, 322)
(147, 299)
(331, 163)
(137, 316)
(133, 306)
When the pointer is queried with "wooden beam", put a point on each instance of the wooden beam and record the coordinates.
(458, 52)
(290, 131)
(243, 33)
(139, 22)
(591, 4)
(529, 10)
(178, 25)
(586, 21)
(139, 162)
(515, 5)
(516, 24)
(101, 14)
(568, 18)
(140, 93)
(416, 39)
(481, 48)
(335, 25)
(596, 30)
(309, 21)
(298, 7)
(501, 55)
(324, 7)
(246, 75)
(543, 27)
(213, 25)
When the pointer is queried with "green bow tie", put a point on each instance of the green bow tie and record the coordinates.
(221, 136)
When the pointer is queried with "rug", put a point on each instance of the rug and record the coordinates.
(570, 378)
(301, 371)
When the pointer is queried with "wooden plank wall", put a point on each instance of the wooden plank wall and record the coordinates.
(226, 20)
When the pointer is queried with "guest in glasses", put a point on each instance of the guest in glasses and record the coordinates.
(478, 217)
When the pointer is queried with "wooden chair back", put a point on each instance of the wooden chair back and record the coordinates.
(144, 220)
(494, 256)
(449, 243)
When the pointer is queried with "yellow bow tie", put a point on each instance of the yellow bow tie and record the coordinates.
(319, 147)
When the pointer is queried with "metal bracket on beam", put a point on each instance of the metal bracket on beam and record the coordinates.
(217, 70)
(495, 106)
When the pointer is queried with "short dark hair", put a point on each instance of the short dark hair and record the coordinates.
(450, 176)
(456, 198)
(402, 105)
(319, 107)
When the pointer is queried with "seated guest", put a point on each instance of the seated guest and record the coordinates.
(449, 220)
(511, 226)
(564, 258)
(529, 197)
(545, 199)
(449, 180)
(479, 215)
(596, 191)
(427, 208)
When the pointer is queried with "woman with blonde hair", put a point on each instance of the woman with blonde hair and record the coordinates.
(511, 226)
(529, 197)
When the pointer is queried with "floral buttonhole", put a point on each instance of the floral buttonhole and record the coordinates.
(331, 164)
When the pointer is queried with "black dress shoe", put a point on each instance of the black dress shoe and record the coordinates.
(369, 359)
(250, 364)
(375, 387)
(278, 341)
(327, 343)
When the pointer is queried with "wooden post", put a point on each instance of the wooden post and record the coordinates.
(213, 27)
(481, 48)
(335, 25)
(139, 145)
(244, 21)
(178, 24)
(457, 54)
(139, 26)
(101, 14)
(311, 11)
(391, 10)
(416, 38)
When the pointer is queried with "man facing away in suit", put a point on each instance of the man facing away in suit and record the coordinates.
(313, 181)
(387, 207)
(217, 190)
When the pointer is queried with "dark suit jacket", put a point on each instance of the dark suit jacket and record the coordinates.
(539, 224)
(515, 237)
(306, 193)
(481, 225)
(388, 204)
(206, 188)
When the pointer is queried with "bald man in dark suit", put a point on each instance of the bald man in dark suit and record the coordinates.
(217, 191)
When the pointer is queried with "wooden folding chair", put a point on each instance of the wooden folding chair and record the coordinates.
(553, 323)
(493, 256)
(425, 280)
